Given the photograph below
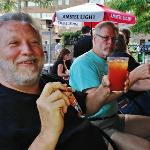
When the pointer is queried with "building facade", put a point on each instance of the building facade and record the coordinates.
(43, 17)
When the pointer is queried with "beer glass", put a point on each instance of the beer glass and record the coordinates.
(117, 72)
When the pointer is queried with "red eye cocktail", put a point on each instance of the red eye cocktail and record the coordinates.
(117, 72)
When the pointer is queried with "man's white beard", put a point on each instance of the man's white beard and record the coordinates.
(105, 53)
(13, 74)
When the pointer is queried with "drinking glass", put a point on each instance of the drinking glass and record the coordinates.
(117, 72)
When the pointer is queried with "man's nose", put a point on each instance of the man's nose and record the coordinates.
(26, 48)
(111, 40)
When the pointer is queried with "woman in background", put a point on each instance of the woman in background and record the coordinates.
(132, 102)
(121, 50)
(60, 68)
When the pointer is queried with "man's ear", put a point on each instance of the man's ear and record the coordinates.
(94, 38)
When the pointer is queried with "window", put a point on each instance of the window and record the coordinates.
(35, 15)
(59, 2)
(46, 15)
(67, 2)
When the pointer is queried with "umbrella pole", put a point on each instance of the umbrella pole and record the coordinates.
(91, 28)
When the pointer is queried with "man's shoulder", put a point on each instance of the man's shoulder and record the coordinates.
(84, 59)
(86, 38)
(83, 39)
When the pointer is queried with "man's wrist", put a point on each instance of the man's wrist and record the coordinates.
(45, 141)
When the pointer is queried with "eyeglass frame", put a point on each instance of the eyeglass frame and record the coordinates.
(106, 38)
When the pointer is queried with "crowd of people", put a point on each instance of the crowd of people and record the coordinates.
(35, 109)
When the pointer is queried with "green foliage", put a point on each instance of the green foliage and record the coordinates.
(69, 38)
(143, 24)
(7, 5)
(140, 8)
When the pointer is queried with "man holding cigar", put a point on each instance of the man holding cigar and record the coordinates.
(32, 117)
(128, 131)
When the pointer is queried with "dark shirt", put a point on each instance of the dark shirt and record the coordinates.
(68, 63)
(20, 123)
(19, 119)
(132, 63)
(83, 45)
(55, 67)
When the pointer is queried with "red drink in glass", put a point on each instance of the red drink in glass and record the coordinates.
(117, 72)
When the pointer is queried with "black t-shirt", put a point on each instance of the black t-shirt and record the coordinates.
(83, 45)
(68, 63)
(55, 67)
(20, 123)
(19, 119)
(132, 63)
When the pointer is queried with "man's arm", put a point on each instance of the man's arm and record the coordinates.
(141, 85)
(45, 141)
(140, 78)
(97, 97)
(52, 104)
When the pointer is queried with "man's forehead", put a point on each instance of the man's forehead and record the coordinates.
(14, 25)
(107, 27)
(15, 29)
(108, 30)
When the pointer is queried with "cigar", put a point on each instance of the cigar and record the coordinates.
(74, 102)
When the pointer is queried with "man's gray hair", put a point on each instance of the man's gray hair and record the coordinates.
(99, 26)
(18, 16)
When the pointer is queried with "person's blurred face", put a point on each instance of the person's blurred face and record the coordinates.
(103, 42)
(127, 37)
(67, 56)
(21, 54)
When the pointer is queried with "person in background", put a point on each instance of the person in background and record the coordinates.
(127, 34)
(132, 102)
(58, 45)
(141, 85)
(121, 50)
(84, 44)
(86, 72)
(60, 68)
(46, 56)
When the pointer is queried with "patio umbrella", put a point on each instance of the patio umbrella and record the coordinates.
(93, 13)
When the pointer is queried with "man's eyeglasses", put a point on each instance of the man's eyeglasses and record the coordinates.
(107, 38)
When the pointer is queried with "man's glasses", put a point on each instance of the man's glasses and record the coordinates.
(107, 38)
